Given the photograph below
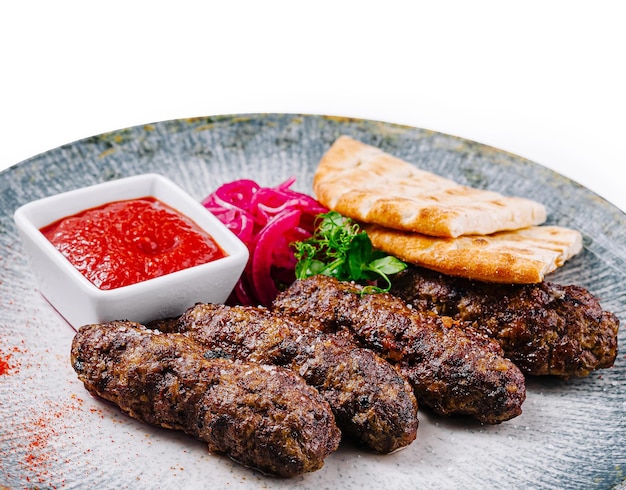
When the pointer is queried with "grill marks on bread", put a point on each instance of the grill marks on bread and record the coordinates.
(431, 221)
(513, 257)
(369, 185)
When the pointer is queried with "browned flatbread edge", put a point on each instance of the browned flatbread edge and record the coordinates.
(513, 257)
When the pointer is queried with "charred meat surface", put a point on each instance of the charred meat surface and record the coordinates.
(543, 328)
(453, 371)
(373, 404)
(264, 417)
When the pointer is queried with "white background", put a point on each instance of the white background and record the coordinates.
(543, 79)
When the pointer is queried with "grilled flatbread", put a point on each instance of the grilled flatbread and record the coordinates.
(371, 186)
(522, 256)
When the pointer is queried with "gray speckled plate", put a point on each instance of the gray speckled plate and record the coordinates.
(571, 435)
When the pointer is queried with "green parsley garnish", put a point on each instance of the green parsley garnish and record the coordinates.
(340, 249)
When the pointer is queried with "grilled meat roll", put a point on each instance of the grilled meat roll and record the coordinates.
(543, 328)
(372, 402)
(265, 417)
(451, 370)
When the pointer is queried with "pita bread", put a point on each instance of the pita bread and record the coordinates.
(522, 256)
(369, 185)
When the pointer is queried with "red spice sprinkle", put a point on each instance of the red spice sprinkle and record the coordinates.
(42, 457)
(7, 363)
(4, 364)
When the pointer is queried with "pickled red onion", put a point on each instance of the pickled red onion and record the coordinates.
(267, 220)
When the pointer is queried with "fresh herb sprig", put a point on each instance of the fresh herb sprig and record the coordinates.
(340, 249)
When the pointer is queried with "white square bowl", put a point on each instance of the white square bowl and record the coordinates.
(80, 302)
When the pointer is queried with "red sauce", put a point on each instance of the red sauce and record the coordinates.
(126, 242)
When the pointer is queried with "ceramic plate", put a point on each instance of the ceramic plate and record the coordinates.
(572, 434)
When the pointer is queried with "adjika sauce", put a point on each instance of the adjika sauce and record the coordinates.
(126, 242)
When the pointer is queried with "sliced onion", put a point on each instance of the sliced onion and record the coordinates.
(236, 194)
(240, 222)
(263, 256)
(267, 220)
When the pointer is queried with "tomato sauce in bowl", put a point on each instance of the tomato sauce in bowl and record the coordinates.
(130, 241)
